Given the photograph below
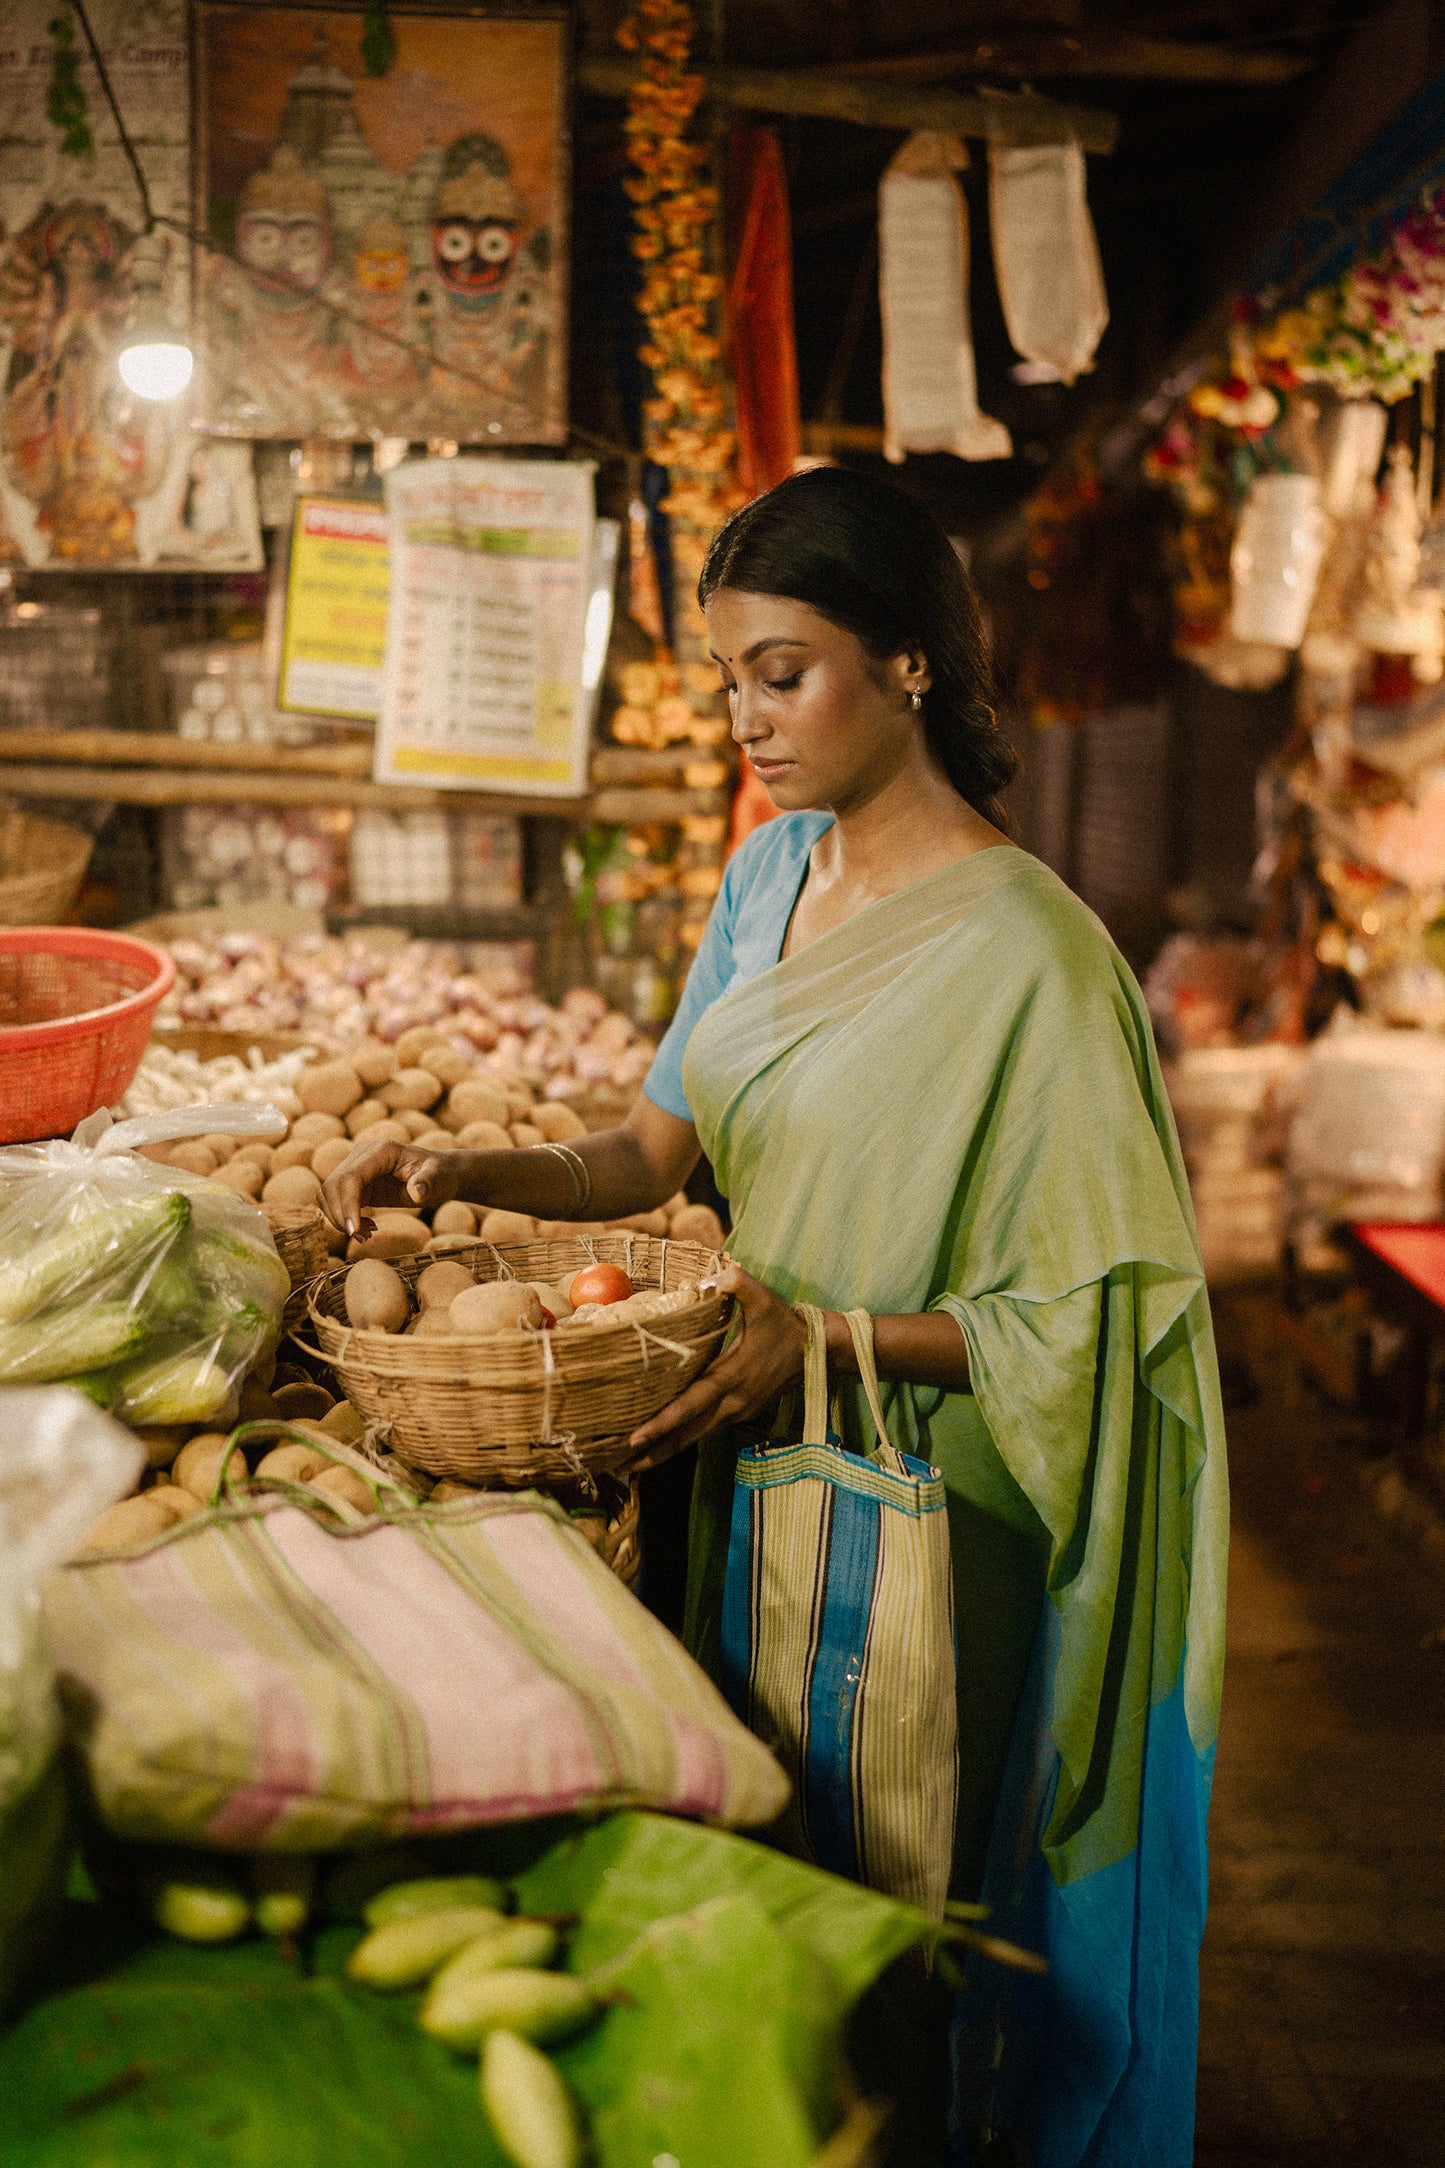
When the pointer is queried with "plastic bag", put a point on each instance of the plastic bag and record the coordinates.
(61, 1464)
(151, 1290)
(1045, 256)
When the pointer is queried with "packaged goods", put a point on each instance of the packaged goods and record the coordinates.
(62, 1462)
(150, 1288)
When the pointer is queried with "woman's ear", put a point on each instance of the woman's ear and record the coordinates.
(910, 672)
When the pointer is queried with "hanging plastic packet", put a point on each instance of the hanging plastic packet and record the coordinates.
(61, 1464)
(1046, 256)
(152, 1290)
(930, 383)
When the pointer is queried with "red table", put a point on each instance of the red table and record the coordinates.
(1403, 1267)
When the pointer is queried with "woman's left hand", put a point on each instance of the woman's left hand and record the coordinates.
(765, 1356)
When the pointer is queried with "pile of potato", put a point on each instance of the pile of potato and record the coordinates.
(420, 1091)
(450, 1304)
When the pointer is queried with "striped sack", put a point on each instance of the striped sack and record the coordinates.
(259, 1678)
(837, 1641)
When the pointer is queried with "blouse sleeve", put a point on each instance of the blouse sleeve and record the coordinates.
(707, 981)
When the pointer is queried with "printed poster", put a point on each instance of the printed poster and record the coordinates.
(91, 477)
(397, 244)
(333, 639)
(491, 580)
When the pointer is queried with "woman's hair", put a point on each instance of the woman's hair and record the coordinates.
(878, 563)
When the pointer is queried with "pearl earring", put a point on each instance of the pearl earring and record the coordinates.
(915, 700)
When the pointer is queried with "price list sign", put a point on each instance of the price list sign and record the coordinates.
(491, 563)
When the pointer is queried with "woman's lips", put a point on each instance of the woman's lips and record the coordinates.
(767, 769)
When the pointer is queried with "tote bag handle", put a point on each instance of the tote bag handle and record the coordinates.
(815, 1378)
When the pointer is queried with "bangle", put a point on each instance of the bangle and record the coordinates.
(579, 1170)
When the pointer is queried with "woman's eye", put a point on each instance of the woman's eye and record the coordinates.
(786, 684)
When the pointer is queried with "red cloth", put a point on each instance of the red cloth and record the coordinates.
(762, 357)
(751, 805)
(1417, 1253)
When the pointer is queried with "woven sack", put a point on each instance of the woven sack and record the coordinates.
(837, 1640)
(266, 1676)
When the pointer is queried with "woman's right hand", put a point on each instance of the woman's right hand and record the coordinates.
(386, 1173)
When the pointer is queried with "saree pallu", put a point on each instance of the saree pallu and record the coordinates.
(953, 1102)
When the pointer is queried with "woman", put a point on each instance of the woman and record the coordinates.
(926, 1083)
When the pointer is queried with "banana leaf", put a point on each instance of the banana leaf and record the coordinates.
(727, 1971)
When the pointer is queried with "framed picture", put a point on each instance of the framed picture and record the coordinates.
(392, 250)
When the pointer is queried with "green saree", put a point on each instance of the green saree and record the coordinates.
(952, 1102)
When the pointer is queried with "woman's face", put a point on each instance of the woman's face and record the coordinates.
(821, 720)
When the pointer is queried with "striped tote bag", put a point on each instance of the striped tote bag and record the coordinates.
(838, 1642)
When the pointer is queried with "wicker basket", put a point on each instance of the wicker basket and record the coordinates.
(300, 1238)
(615, 1531)
(512, 1410)
(42, 864)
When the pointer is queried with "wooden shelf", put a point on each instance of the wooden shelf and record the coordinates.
(217, 785)
(160, 749)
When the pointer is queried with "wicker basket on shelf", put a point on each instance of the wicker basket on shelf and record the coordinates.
(42, 864)
(613, 1526)
(512, 1410)
(299, 1233)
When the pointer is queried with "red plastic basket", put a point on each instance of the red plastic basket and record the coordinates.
(75, 1014)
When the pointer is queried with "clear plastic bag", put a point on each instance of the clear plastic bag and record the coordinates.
(152, 1290)
(61, 1464)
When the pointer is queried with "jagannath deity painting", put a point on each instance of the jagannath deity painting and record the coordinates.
(391, 256)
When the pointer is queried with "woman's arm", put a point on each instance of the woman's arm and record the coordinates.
(767, 1356)
(632, 1168)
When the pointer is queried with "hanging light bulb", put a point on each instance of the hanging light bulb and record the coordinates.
(155, 361)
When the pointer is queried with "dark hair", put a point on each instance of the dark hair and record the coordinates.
(875, 561)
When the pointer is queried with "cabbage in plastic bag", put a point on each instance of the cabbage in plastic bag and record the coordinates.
(151, 1290)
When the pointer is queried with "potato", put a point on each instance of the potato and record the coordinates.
(193, 1157)
(328, 1156)
(412, 1088)
(412, 1120)
(376, 1297)
(449, 1489)
(385, 1243)
(388, 1132)
(409, 1046)
(553, 1298)
(161, 1445)
(345, 1483)
(374, 1062)
(443, 1245)
(197, 1464)
(329, 1087)
(257, 1406)
(315, 1128)
(485, 1137)
(434, 1140)
(133, 1520)
(243, 1176)
(445, 1063)
(508, 1227)
(303, 1401)
(646, 1223)
(222, 1147)
(558, 1123)
(679, 1201)
(439, 1283)
(524, 1136)
(454, 1219)
(293, 1186)
(295, 1152)
(698, 1223)
(478, 1101)
(345, 1422)
(293, 1464)
(433, 1324)
(497, 1306)
(261, 1154)
(365, 1115)
(180, 1504)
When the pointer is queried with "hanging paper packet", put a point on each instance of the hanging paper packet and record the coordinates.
(930, 385)
(152, 1290)
(1045, 255)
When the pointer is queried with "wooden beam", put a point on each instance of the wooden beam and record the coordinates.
(195, 786)
(160, 749)
(832, 95)
(821, 438)
(1104, 54)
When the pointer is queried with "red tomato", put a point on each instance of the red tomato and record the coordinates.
(599, 1283)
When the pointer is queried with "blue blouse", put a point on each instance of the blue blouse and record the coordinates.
(744, 935)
